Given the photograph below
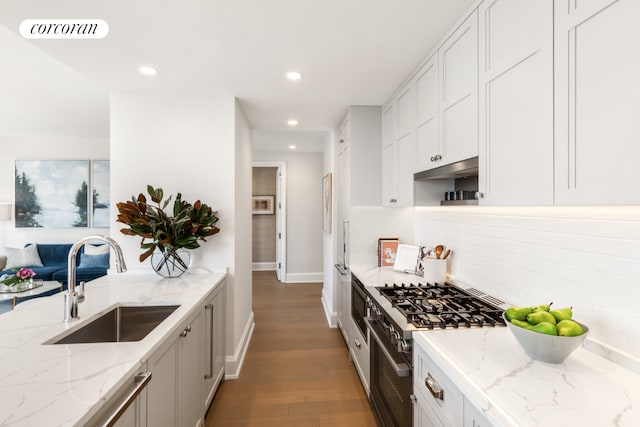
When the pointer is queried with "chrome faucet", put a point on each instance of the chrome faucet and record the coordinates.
(72, 297)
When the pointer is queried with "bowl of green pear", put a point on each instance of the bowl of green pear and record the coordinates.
(546, 335)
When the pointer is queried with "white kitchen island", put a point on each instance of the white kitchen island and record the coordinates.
(67, 385)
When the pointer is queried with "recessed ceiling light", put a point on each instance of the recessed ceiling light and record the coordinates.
(294, 75)
(292, 147)
(148, 71)
(292, 122)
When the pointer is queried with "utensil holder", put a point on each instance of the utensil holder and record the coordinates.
(434, 270)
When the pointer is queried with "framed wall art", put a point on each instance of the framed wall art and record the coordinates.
(100, 190)
(326, 203)
(387, 250)
(51, 193)
(263, 205)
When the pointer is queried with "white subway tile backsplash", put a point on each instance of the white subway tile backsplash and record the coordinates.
(587, 257)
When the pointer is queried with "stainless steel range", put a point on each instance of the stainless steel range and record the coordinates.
(396, 311)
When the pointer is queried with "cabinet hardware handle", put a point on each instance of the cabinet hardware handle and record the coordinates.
(413, 398)
(479, 195)
(184, 333)
(189, 328)
(209, 375)
(357, 343)
(341, 141)
(393, 200)
(433, 158)
(141, 381)
(434, 387)
(437, 157)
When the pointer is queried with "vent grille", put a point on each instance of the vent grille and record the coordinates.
(488, 298)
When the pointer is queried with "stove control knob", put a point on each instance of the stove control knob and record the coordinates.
(403, 346)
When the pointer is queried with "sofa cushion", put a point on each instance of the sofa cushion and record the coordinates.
(54, 254)
(24, 257)
(94, 261)
(3, 262)
(82, 275)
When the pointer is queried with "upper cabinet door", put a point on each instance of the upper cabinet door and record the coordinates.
(458, 60)
(516, 98)
(597, 102)
(426, 96)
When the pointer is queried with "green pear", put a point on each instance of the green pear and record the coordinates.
(543, 307)
(541, 316)
(545, 328)
(522, 323)
(562, 314)
(569, 328)
(519, 313)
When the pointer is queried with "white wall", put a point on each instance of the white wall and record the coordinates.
(304, 213)
(329, 294)
(51, 148)
(188, 144)
(585, 257)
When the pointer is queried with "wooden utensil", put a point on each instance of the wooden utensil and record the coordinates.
(439, 250)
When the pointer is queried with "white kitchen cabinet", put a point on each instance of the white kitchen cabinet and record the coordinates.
(174, 394)
(133, 394)
(214, 342)
(428, 380)
(473, 417)
(398, 125)
(458, 82)
(426, 89)
(438, 401)
(162, 391)
(597, 102)
(516, 98)
(423, 415)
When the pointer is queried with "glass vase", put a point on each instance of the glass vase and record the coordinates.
(170, 263)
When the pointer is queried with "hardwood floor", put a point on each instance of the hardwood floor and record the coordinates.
(297, 370)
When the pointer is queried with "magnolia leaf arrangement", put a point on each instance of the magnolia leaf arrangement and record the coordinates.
(181, 227)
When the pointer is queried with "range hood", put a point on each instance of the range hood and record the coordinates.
(461, 169)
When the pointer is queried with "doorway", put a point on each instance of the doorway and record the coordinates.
(269, 226)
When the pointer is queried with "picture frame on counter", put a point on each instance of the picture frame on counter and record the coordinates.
(262, 205)
(387, 250)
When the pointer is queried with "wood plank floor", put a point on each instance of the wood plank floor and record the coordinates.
(297, 370)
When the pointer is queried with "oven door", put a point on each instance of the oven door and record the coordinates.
(359, 306)
(391, 380)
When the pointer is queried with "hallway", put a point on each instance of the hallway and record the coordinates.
(296, 371)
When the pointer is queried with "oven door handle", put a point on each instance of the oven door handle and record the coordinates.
(401, 369)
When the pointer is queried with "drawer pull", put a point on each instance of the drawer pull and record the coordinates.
(357, 343)
(434, 387)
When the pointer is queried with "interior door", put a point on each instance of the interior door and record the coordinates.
(279, 226)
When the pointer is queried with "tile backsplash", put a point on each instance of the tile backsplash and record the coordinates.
(585, 257)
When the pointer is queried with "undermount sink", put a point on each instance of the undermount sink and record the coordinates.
(120, 324)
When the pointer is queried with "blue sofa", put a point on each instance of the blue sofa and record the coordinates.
(54, 258)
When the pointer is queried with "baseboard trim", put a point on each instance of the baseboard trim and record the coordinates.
(263, 266)
(303, 277)
(233, 364)
(332, 316)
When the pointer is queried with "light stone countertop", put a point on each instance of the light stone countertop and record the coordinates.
(512, 390)
(64, 385)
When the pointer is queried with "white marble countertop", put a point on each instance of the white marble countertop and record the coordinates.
(64, 385)
(512, 390)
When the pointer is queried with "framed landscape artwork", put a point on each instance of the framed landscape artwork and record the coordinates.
(100, 186)
(55, 193)
(262, 205)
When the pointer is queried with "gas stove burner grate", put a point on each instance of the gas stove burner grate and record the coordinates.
(442, 306)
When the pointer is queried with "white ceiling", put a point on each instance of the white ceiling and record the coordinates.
(351, 52)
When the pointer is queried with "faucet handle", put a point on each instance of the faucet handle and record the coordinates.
(81, 292)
